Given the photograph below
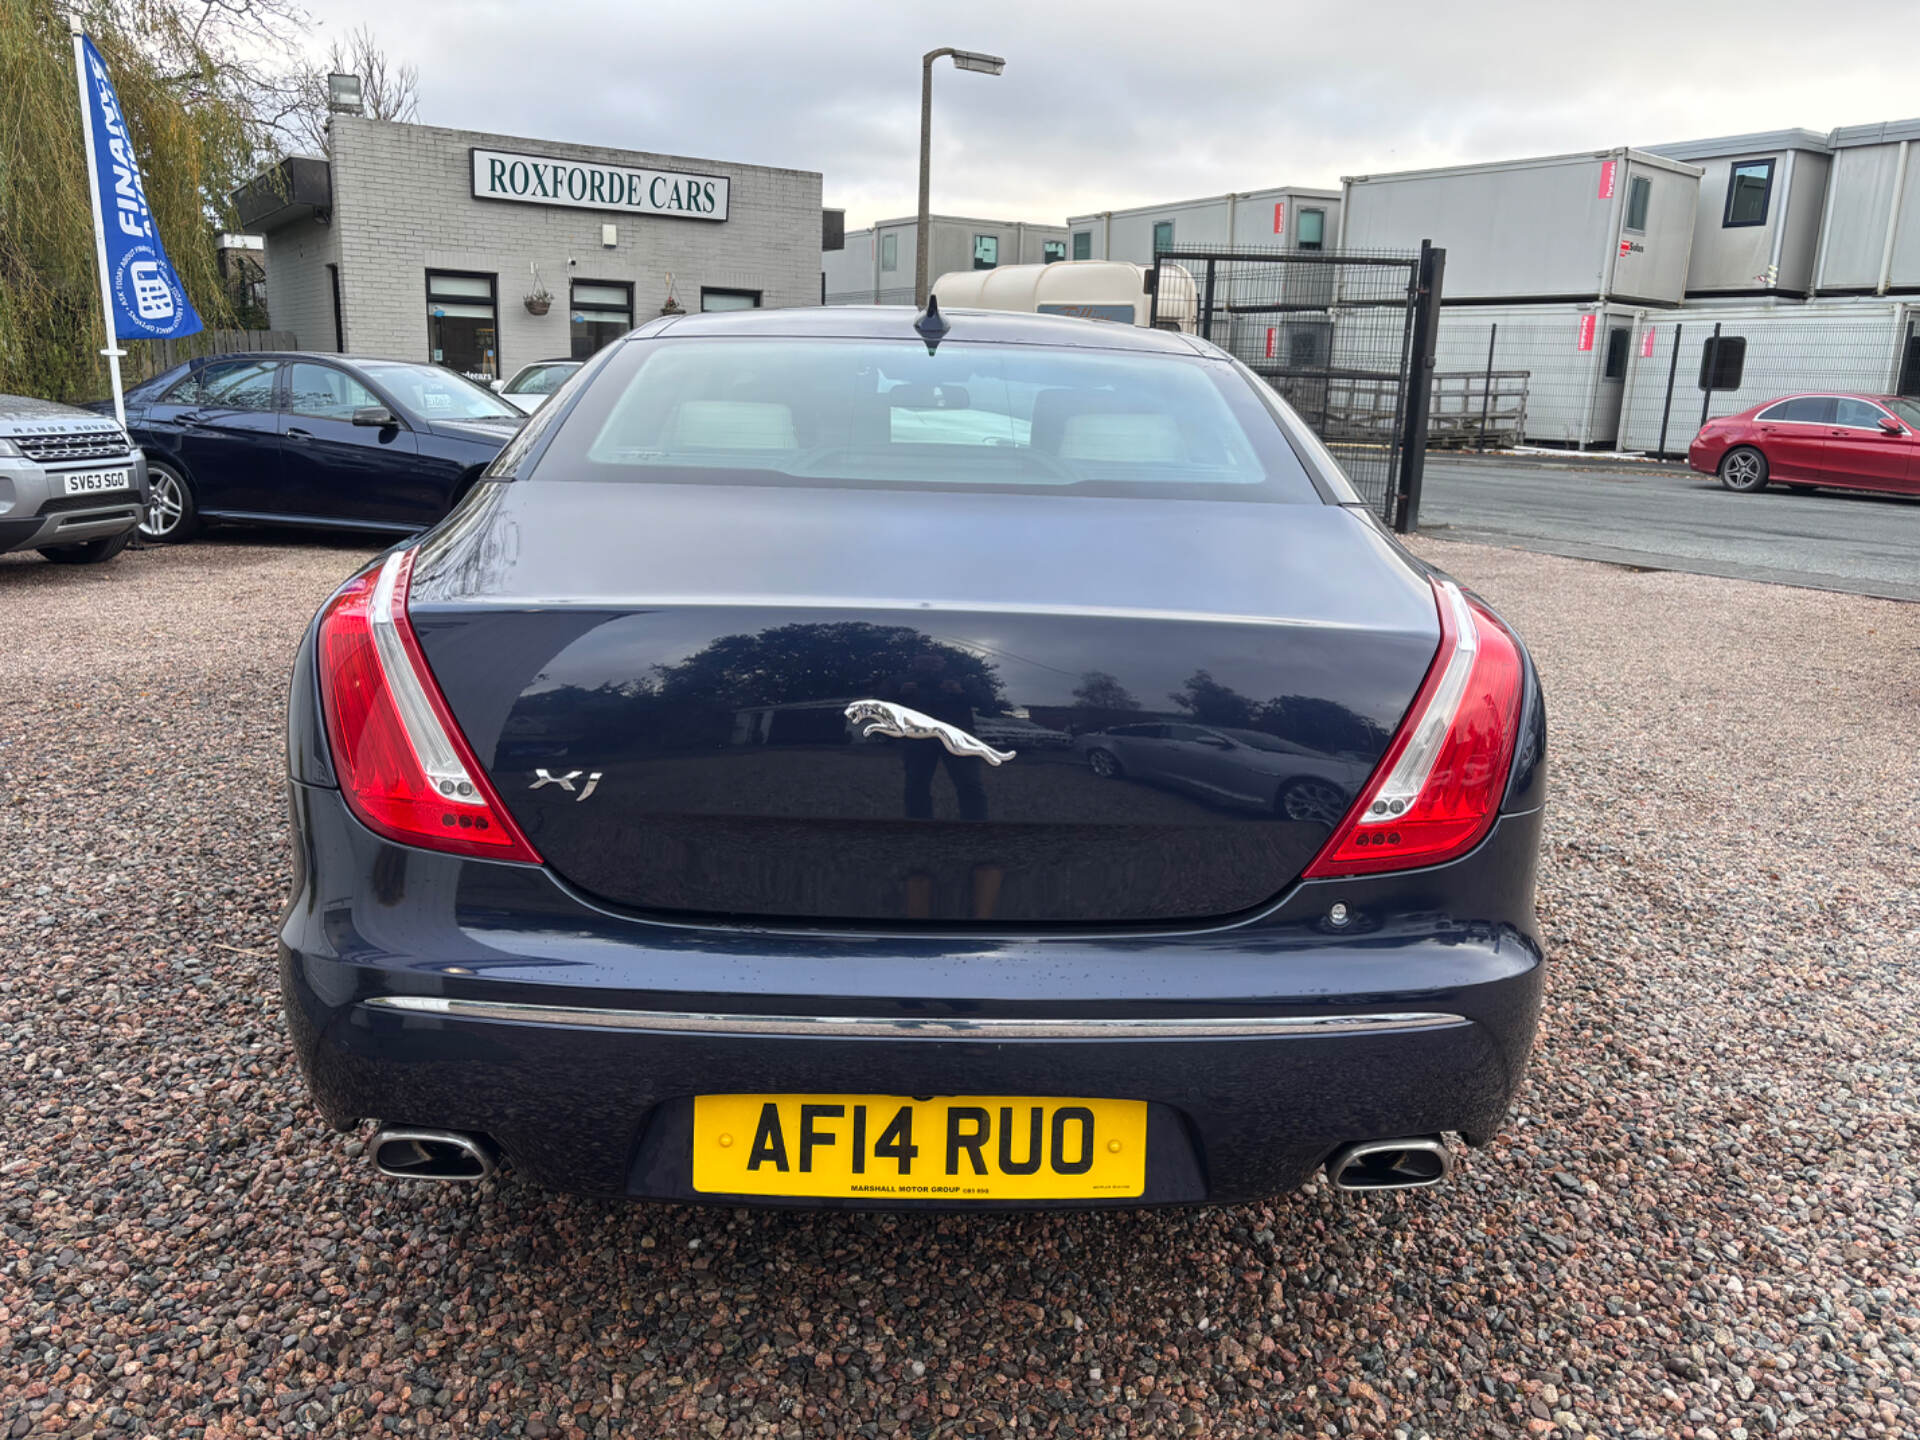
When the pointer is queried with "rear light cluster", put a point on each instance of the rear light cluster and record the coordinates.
(1438, 789)
(403, 765)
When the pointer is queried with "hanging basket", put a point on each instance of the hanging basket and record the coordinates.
(539, 304)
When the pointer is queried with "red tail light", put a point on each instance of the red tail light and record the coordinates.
(402, 762)
(1436, 792)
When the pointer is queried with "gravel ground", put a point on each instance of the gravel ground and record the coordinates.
(1701, 1221)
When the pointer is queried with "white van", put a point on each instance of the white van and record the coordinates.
(1114, 290)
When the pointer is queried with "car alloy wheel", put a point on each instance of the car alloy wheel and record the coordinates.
(1103, 763)
(1744, 470)
(167, 506)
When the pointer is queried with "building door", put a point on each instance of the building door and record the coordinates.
(463, 324)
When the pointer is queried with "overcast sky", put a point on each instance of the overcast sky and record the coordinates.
(1127, 102)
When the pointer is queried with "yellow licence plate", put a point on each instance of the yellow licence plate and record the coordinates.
(889, 1147)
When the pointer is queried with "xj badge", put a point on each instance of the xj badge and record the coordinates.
(565, 782)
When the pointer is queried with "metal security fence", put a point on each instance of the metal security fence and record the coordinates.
(1751, 354)
(1548, 375)
(1338, 334)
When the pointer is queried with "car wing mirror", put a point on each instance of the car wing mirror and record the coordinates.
(376, 416)
(1892, 426)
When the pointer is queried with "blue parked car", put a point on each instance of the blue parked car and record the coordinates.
(700, 814)
(323, 440)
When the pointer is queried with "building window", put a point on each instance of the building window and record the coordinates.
(890, 251)
(1052, 250)
(1616, 354)
(1749, 187)
(1723, 362)
(602, 311)
(1083, 244)
(1310, 230)
(1639, 197)
(986, 251)
(1162, 235)
(463, 323)
(712, 299)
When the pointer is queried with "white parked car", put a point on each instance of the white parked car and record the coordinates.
(528, 387)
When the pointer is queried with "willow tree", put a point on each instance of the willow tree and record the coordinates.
(190, 103)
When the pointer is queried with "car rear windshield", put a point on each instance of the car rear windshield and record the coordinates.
(889, 415)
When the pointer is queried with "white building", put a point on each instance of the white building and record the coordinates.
(1287, 217)
(875, 266)
(483, 252)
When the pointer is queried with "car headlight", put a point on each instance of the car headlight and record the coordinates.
(9, 450)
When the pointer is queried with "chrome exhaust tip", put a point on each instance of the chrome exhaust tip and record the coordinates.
(1411, 1164)
(432, 1155)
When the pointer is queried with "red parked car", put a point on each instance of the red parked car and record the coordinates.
(1856, 442)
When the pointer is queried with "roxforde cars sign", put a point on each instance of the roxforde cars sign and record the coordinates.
(589, 185)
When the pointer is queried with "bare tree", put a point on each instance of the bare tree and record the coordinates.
(388, 90)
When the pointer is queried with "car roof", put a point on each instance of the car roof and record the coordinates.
(1881, 400)
(895, 322)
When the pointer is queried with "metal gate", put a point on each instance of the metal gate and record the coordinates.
(1337, 334)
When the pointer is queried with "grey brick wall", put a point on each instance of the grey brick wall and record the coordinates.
(403, 205)
(299, 292)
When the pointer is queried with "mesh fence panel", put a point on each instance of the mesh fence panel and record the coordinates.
(1328, 331)
(1597, 376)
(1869, 347)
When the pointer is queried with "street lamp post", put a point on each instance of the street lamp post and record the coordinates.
(962, 60)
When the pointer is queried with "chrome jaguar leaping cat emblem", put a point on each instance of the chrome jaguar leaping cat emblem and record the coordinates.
(883, 717)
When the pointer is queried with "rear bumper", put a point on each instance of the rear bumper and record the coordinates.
(434, 991)
(1704, 456)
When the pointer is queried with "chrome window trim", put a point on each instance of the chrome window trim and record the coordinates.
(1834, 424)
(1761, 418)
(1096, 1027)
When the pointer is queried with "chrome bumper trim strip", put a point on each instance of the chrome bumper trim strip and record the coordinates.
(939, 1028)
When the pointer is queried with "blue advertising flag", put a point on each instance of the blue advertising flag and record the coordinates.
(146, 296)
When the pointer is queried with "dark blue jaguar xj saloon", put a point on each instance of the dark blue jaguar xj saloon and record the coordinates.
(850, 758)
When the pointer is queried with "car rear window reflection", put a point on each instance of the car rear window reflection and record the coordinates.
(889, 414)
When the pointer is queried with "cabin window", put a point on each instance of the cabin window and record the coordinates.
(1052, 250)
(890, 251)
(1749, 189)
(1723, 362)
(986, 251)
(1083, 244)
(1639, 197)
(1616, 353)
(1162, 235)
(1310, 230)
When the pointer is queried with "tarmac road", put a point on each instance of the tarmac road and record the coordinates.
(1665, 517)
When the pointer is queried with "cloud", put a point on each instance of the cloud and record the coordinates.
(1126, 103)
